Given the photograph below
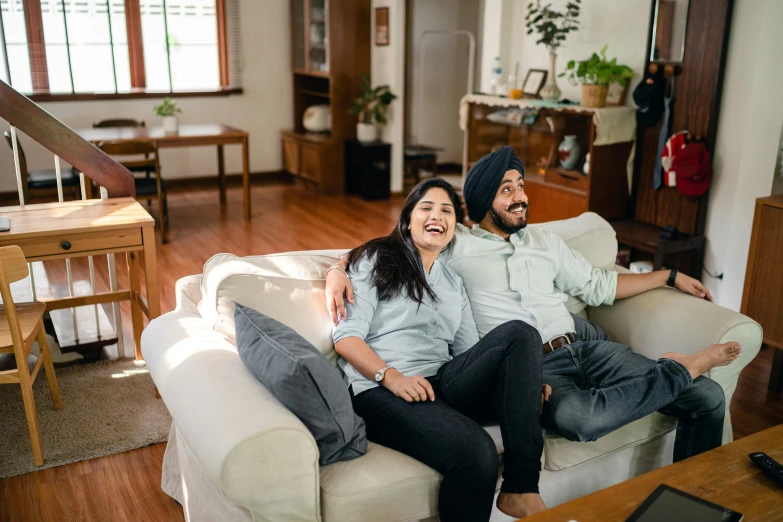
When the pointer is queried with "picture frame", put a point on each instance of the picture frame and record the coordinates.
(617, 93)
(381, 26)
(534, 81)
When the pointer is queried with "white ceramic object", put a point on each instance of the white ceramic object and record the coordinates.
(366, 132)
(170, 124)
(551, 91)
(317, 118)
(568, 152)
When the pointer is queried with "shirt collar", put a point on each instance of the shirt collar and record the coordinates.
(477, 231)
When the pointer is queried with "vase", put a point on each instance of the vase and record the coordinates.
(551, 91)
(568, 152)
(594, 95)
(366, 132)
(170, 124)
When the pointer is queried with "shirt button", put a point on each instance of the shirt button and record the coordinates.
(434, 323)
(436, 308)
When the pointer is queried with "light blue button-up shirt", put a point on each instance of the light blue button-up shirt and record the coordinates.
(416, 340)
(528, 277)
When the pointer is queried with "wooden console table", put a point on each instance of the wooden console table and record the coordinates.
(89, 228)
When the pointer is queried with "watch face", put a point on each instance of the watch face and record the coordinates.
(378, 376)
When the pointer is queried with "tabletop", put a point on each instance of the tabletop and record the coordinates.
(196, 131)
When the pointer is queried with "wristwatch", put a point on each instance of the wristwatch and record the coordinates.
(381, 373)
(672, 278)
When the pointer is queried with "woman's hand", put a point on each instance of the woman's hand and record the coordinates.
(337, 284)
(546, 392)
(411, 389)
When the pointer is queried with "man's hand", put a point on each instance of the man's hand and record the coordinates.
(411, 389)
(692, 286)
(337, 284)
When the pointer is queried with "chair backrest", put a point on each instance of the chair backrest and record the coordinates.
(13, 263)
(133, 148)
(22, 160)
(118, 122)
(13, 267)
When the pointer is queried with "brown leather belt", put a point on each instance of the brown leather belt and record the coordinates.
(559, 341)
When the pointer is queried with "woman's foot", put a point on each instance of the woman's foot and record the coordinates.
(707, 359)
(520, 504)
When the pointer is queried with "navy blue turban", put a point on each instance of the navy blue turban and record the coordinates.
(484, 180)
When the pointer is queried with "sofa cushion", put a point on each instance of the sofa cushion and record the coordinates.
(302, 379)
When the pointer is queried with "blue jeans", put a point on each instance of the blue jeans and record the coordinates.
(599, 386)
(497, 379)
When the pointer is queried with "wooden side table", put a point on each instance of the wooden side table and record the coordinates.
(645, 237)
(89, 228)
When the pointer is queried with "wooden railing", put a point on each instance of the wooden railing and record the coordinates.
(27, 116)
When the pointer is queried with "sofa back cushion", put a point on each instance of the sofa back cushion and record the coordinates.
(304, 381)
(289, 287)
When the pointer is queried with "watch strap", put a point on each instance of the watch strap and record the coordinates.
(382, 371)
(672, 278)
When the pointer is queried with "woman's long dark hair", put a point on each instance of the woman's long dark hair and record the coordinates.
(398, 267)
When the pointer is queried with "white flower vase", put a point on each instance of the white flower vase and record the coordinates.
(366, 132)
(170, 124)
(551, 91)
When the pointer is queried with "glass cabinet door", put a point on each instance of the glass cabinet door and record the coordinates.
(298, 45)
(318, 36)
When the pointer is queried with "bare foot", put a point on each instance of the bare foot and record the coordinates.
(520, 504)
(707, 359)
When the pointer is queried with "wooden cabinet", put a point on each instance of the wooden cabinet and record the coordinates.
(330, 47)
(554, 192)
(762, 297)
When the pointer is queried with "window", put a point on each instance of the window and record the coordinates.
(105, 47)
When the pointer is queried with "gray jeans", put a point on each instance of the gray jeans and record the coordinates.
(599, 386)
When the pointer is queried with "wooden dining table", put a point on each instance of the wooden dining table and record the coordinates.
(187, 136)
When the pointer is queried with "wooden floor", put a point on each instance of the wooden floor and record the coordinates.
(126, 486)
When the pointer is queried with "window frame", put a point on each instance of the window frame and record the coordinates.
(40, 74)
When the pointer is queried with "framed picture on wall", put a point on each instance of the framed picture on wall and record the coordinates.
(533, 82)
(382, 26)
(616, 96)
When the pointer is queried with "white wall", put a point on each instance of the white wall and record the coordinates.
(622, 25)
(388, 68)
(263, 110)
(747, 144)
(438, 76)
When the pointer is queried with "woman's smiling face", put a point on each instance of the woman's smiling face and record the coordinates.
(433, 221)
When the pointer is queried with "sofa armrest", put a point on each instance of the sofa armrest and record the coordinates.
(252, 449)
(667, 320)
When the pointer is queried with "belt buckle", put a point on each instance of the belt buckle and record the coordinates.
(557, 337)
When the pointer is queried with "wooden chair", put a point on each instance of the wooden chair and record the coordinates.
(44, 180)
(20, 325)
(144, 186)
(118, 122)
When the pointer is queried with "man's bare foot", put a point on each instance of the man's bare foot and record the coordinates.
(520, 504)
(707, 359)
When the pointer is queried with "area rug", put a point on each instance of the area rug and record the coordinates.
(108, 407)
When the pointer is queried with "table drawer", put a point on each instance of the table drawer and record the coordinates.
(69, 244)
(567, 178)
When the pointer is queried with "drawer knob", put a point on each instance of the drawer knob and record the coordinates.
(66, 245)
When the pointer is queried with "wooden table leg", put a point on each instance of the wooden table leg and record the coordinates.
(151, 272)
(776, 375)
(246, 177)
(221, 175)
(136, 314)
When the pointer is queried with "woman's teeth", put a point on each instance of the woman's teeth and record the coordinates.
(434, 228)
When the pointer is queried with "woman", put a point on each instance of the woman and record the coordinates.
(421, 378)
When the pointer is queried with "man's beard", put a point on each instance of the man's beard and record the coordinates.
(505, 226)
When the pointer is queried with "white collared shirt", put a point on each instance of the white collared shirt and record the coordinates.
(528, 277)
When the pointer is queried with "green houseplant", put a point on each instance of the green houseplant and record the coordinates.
(168, 110)
(552, 28)
(596, 74)
(371, 107)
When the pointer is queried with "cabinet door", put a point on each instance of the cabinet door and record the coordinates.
(318, 36)
(290, 156)
(298, 40)
(310, 167)
(549, 203)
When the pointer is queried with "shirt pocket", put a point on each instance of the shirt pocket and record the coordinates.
(541, 277)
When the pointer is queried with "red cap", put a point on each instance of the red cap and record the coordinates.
(693, 169)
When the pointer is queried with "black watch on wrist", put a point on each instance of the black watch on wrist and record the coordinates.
(672, 278)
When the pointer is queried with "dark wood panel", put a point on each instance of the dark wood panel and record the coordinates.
(609, 182)
(765, 304)
(695, 108)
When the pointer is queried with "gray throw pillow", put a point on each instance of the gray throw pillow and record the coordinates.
(303, 380)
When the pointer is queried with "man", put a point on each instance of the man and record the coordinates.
(511, 272)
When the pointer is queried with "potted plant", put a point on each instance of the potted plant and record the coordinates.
(596, 74)
(371, 107)
(552, 28)
(168, 110)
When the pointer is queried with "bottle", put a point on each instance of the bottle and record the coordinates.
(496, 73)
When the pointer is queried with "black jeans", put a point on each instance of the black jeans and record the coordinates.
(498, 378)
(599, 386)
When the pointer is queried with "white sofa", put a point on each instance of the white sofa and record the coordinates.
(236, 454)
